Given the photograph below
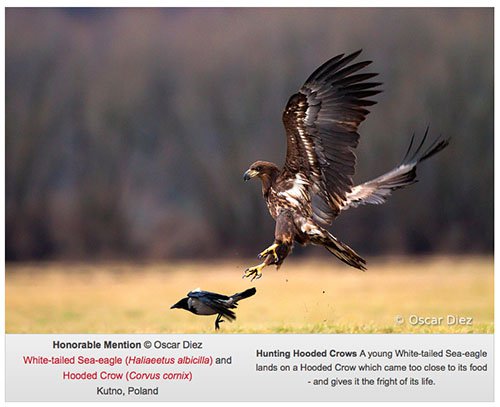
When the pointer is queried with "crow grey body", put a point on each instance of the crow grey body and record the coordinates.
(201, 302)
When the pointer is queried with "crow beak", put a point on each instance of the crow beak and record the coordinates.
(249, 174)
(182, 304)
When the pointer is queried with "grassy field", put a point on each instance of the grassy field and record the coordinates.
(302, 297)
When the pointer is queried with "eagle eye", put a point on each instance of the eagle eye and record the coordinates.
(258, 168)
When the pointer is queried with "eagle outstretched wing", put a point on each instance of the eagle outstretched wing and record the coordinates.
(321, 123)
(378, 190)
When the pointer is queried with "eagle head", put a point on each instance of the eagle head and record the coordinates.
(262, 169)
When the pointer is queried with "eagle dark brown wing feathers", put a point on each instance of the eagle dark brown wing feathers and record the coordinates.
(321, 123)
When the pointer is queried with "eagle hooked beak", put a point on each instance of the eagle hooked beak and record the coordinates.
(250, 174)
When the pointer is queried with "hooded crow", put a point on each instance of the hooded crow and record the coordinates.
(207, 303)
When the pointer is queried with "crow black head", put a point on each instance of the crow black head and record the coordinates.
(181, 304)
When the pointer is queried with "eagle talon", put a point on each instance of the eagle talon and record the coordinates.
(268, 251)
(254, 272)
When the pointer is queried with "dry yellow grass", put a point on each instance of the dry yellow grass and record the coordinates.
(302, 297)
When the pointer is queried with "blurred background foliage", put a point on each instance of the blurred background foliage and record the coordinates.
(128, 130)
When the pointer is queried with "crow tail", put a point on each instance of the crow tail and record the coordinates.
(245, 294)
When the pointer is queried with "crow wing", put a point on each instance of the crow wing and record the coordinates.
(207, 294)
(220, 303)
(321, 123)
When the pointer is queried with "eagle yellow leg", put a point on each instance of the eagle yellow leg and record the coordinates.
(269, 250)
(255, 272)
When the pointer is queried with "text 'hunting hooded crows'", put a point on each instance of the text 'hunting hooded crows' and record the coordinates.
(321, 123)
(206, 303)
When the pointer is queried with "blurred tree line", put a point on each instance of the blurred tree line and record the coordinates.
(128, 130)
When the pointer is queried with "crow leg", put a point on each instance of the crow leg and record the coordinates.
(217, 321)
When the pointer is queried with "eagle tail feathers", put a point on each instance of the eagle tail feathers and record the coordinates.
(343, 252)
